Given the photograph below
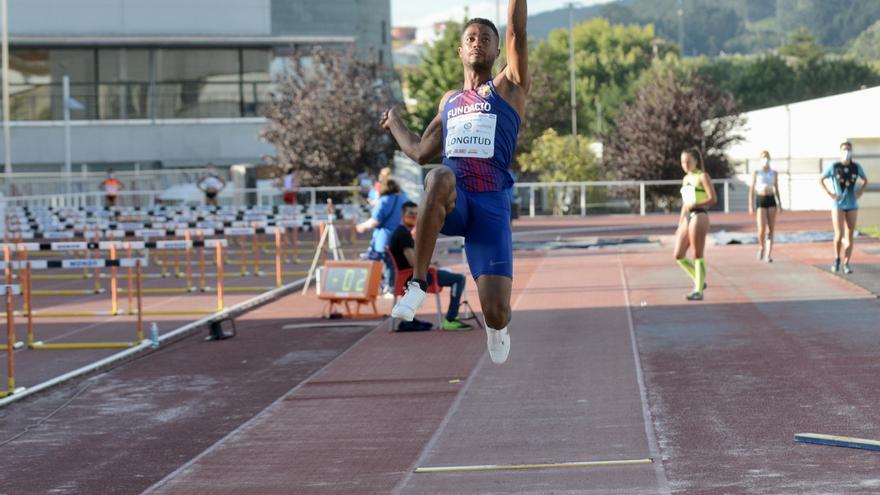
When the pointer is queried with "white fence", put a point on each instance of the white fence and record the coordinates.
(42, 184)
(798, 192)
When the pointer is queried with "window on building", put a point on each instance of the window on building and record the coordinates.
(135, 83)
(29, 77)
(255, 81)
(124, 76)
(35, 82)
(79, 66)
(197, 83)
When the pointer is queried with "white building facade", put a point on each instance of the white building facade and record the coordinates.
(164, 83)
(804, 137)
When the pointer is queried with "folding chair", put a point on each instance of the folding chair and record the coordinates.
(401, 277)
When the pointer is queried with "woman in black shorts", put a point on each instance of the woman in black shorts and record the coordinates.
(764, 200)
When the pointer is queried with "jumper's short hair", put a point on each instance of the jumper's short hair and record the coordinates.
(482, 22)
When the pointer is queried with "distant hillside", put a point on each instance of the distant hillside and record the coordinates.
(731, 26)
(541, 24)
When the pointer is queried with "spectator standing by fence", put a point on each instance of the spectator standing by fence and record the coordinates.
(111, 186)
(212, 185)
(289, 186)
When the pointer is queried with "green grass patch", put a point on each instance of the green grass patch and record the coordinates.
(871, 230)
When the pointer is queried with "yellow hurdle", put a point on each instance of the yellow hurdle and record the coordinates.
(42, 346)
(62, 276)
(249, 289)
(73, 314)
(10, 335)
(279, 269)
(66, 292)
(39, 345)
(182, 312)
(12, 342)
(219, 261)
(163, 290)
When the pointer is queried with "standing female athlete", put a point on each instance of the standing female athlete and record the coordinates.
(765, 185)
(849, 182)
(697, 194)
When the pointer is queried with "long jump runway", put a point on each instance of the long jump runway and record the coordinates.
(395, 403)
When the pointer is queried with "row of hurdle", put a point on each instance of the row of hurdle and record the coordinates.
(185, 259)
(23, 290)
(121, 264)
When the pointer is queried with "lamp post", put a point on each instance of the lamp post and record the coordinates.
(571, 71)
(680, 28)
(7, 137)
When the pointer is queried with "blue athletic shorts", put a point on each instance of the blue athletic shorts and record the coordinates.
(483, 219)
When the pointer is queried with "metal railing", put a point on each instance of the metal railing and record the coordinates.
(533, 199)
(609, 197)
(54, 183)
(315, 198)
(797, 192)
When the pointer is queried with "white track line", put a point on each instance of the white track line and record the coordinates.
(653, 447)
(547, 465)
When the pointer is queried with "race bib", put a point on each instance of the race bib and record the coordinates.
(688, 195)
(471, 136)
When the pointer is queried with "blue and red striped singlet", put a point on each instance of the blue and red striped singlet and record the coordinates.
(479, 138)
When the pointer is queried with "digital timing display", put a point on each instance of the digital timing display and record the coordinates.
(342, 279)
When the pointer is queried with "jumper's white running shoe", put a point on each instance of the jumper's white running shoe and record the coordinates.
(498, 342)
(412, 300)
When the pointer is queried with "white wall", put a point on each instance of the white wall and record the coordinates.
(817, 129)
(139, 17)
(173, 142)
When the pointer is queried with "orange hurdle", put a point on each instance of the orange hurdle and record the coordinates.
(10, 337)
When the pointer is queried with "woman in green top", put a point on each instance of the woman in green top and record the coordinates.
(697, 194)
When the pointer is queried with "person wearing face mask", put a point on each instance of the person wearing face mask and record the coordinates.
(848, 182)
(765, 185)
(111, 187)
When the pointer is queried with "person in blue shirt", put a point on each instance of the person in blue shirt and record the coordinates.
(848, 182)
(384, 219)
(373, 194)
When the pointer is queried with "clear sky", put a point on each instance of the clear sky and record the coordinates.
(425, 12)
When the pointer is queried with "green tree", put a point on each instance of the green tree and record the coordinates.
(438, 72)
(674, 108)
(556, 158)
(732, 26)
(834, 22)
(867, 45)
(802, 45)
(756, 82)
(831, 76)
(608, 59)
(766, 81)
